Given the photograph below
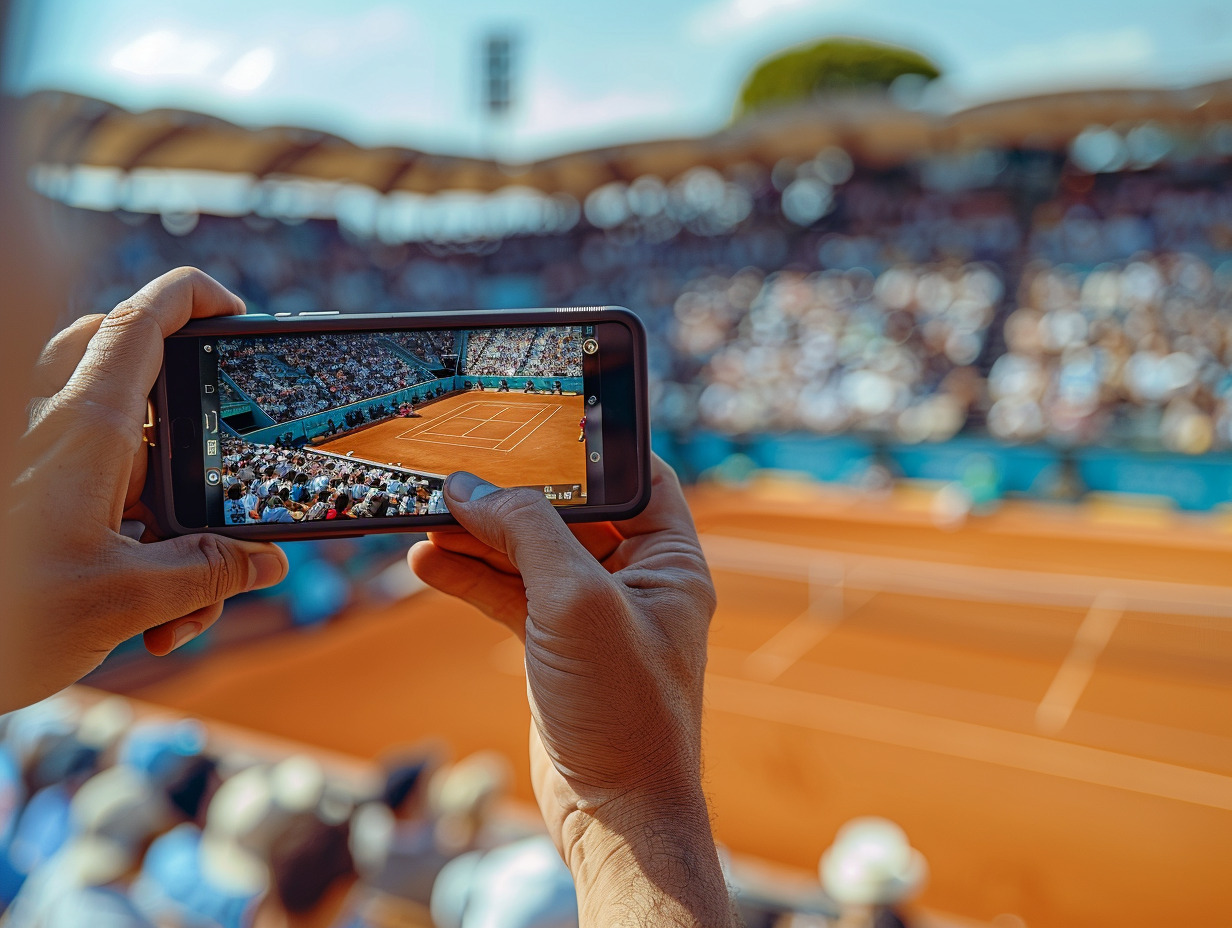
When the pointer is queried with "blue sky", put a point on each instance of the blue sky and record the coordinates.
(589, 73)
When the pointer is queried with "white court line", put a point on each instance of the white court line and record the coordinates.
(1076, 670)
(458, 444)
(967, 740)
(455, 444)
(482, 423)
(803, 633)
(467, 433)
(1167, 602)
(427, 428)
(555, 410)
(459, 413)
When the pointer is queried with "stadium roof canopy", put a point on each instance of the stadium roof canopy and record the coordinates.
(68, 130)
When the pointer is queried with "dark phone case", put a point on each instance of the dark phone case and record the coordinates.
(159, 496)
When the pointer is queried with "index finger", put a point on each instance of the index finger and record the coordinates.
(123, 358)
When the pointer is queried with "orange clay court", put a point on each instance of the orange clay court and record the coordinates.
(1042, 698)
(510, 439)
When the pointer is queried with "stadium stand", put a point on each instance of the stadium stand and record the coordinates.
(308, 376)
(271, 484)
(924, 279)
(517, 353)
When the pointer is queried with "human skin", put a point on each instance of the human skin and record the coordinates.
(80, 586)
(628, 815)
(614, 619)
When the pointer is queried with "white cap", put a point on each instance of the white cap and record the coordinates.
(230, 866)
(372, 836)
(121, 805)
(523, 883)
(298, 783)
(872, 863)
(241, 805)
(105, 722)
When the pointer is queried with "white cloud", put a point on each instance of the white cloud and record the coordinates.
(555, 116)
(165, 52)
(373, 32)
(725, 19)
(1083, 58)
(251, 70)
(553, 109)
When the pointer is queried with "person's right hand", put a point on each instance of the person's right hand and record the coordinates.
(614, 617)
(82, 586)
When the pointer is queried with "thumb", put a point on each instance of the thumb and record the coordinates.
(522, 524)
(170, 579)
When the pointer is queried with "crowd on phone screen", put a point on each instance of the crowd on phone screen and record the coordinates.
(549, 351)
(267, 484)
(921, 304)
(432, 347)
(293, 377)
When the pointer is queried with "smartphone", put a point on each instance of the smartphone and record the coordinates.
(327, 425)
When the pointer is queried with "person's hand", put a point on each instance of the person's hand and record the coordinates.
(83, 587)
(614, 617)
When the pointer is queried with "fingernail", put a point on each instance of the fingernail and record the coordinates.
(185, 633)
(467, 488)
(265, 570)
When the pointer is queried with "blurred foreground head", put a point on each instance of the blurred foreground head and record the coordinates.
(32, 294)
(871, 863)
(32, 297)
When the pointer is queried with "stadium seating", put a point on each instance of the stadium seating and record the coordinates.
(908, 310)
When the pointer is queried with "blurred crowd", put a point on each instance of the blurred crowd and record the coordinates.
(834, 351)
(263, 483)
(1004, 293)
(114, 816)
(547, 351)
(294, 377)
(108, 818)
(1135, 352)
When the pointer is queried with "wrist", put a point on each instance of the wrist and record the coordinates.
(641, 860)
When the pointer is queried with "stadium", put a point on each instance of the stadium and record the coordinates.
(948, 383)
(312, 425)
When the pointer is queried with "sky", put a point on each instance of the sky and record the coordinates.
(586, 74)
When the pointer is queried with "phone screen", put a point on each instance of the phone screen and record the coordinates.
(341, 425)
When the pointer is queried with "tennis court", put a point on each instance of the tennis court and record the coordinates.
(511, 439)
(1042, 698)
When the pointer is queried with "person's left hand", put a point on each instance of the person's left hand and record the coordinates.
(83, 587)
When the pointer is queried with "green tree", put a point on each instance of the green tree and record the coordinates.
(830, 65)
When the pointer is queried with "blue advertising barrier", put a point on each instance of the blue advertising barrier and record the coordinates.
(1191, 482)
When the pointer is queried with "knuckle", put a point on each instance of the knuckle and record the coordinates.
(518, 504)
(70, 333)
(133, 313)
(188, 274)
(223, 568)
(190, 278)
(79, 419)
(85, 323)
(590, 594)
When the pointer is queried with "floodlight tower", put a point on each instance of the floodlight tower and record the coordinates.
(499, 50)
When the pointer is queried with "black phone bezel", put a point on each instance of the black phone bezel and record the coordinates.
(178, 465)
